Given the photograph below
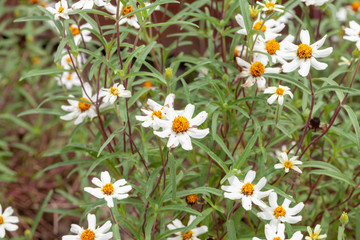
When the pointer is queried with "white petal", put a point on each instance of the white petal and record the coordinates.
(105, 177)
(304, 67)
(305, 37)
(198, 133)
(91, 221)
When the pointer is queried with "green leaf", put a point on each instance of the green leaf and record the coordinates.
(218, 160)
(244, 8)
(354, 121)
(180, 208)
(246, 151)
(40, 213)
(108, 140)
(198, 219)
(230, 226)
(333, 174)
(116, 232)
(320, 164)
(41, 72)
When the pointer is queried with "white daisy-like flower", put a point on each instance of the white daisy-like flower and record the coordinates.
(280, 213)
(316, 234)
(66, 60)
(7, 221)
(345, 61)
(240, 51)
(285, 149)
(108, 190)
(61, 10)
(86, 34)
(91, 232)
(180, 126)
(341, 14)
(288, 164)
(255, 70)
(304, 55)
(79, 110)
(246, 190)
(190, 235)
(271, 28)
(111, 94)
(68, 79)
(278, 233)
(157, 110)
(278, 93)
(131, 19)
(272, 47)
(352, 33)
(271, 6)
(314, 2)
(88, 4)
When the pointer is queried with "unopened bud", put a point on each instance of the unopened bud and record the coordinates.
(168, 73)
(344, 219)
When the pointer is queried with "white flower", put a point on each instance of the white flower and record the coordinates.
(108, 190)
(304, 55)
(111, 94)
(112, 9)
(271, 28)
(284, 149)
(7, 221)
(86, 34)
(66, 62)
(316, 234)
(352, 33)
(270, 6)
(314, 2)
(288, 164)
(92, 232)
(246, 190)
(131, 19)
(61, 10)
(345, 61)
(180, 126)
(190, 235)
(341, 14)
(278, 93)
(278, 233)
(80, 109)
(272, 47)
(88, 4)
(240, 51)
(280, 213)
(157, 110)
(255, 70)
(68, 79)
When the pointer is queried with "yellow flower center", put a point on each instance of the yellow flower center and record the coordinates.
(270, 5)
(114, 91)
(128, 10)
(272, 46)
(191, 199)
(108, 189)
(248, 189)
(279, 91)
(147, 84)
(158, 114)
(256, 69)
(68, 60)
(187, 235)
(87, 235)
(279, 212)
(69, 77)
(1, 220)
(180, 124)
(288, 164)
(277, 238)
(257, 26)
(314, 236)
(236, 52)
(74, 30)
(355, 6)
(304, 51)
(286, 151)
(61, 9)
(34, 1)
(83, 106)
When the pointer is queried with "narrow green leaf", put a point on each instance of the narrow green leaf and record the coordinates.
(110, 138)
(354, 121)
(218, 160)
(333, 174)
(40, 213)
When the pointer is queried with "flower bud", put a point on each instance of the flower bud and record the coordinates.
(168, 73)
(344, 219)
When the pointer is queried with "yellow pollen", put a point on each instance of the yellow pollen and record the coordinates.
(108, 189)
(87, 235)
(191, 199)
(257, 26)
(236, 52)
(288, 164)
(61, 9)
(68, 60)
(83, 106)
(256, 69)
(114, 91)
(279, 91)
(277, 238)
(279, 212)
(180, 124)
(187, 235)
(128, 10)
(355, 6)
(272, 46)
(248, 189)
(158, 114)
(304, 51)
(147, 84)
(286, 151)
(74, 30)
(314, 236)
(270, 5)
(69, 77)
(1, 220)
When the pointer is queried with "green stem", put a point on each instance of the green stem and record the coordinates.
(117, 113)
